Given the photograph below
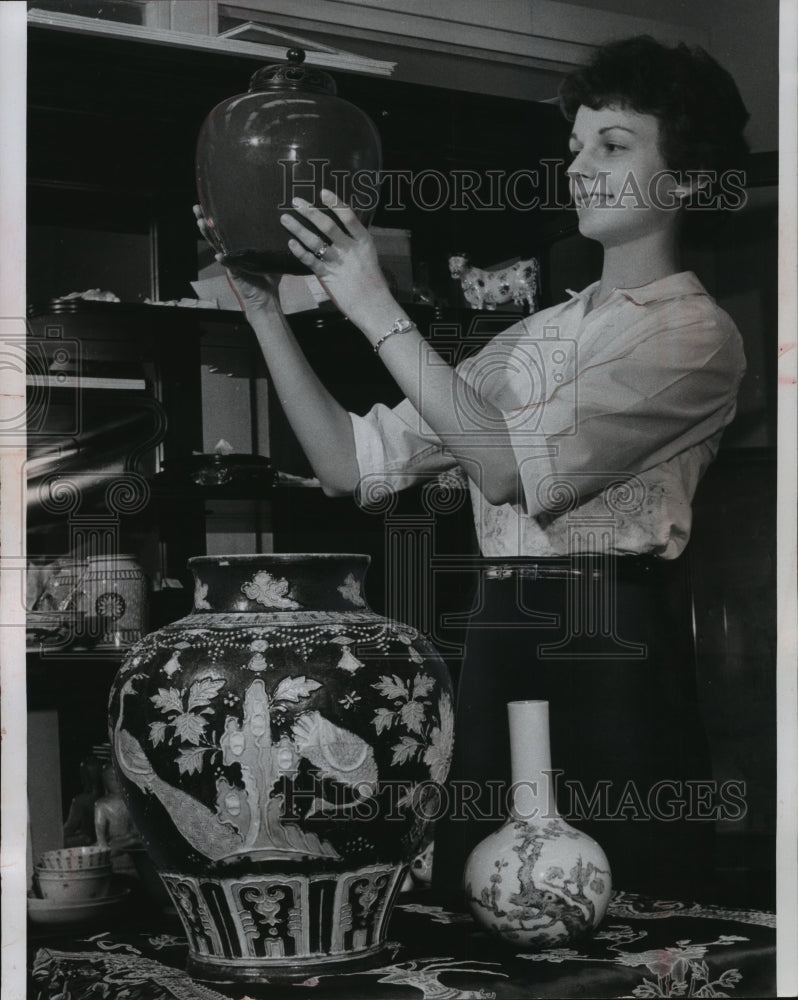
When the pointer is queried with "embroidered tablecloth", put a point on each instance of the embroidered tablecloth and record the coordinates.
(644, 948)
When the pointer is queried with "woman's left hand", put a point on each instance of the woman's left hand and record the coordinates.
(345, 262)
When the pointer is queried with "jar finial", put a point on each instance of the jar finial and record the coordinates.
(292, 75)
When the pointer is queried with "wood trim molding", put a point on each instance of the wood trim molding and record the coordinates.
(546, 34)
(194, 40)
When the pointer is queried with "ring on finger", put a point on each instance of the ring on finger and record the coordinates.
(321, 251)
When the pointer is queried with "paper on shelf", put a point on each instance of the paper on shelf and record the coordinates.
(297, 293)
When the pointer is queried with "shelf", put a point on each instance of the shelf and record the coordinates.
(72, 654)
(84, 382)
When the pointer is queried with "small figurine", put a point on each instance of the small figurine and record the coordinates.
(488, 289)
(113, 824)
(79, 829)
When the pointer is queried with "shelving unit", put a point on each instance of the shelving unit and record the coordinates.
(154, 434)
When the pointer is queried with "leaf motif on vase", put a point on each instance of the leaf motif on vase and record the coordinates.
(168, 700)
(293, 688)
(412, 715)
(350, 591)
(157, 732)
(392, 687)
(406, 749)
(189, 724)
(195, 822)
(189, 727)
(270, 591)
(423, 685)
(191, 760)
(438, 755)
(203, 691)
(383, 719)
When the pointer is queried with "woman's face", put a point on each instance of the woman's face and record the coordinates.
(620, 184)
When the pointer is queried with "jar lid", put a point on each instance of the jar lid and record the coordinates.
(292, 76)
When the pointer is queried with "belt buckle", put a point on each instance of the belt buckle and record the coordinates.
(499, 572)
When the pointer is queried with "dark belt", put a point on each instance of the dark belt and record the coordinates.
(587, 566)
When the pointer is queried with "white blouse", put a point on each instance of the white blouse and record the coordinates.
(614, 414)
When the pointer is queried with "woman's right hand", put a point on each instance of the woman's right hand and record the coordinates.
(252, 291)
(321, 424)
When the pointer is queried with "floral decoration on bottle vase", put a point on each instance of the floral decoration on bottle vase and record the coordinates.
(536, 882)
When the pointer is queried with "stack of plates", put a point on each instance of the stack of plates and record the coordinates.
(77, 885)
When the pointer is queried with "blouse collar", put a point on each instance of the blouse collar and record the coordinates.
(674, 286)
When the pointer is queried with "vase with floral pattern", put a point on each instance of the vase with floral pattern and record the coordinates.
(536, 882)
(281, 750)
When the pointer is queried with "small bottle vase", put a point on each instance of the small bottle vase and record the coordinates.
(537, 882)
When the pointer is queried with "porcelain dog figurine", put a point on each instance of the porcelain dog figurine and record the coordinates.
(488, 289)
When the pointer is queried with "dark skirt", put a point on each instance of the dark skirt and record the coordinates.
(608, 643)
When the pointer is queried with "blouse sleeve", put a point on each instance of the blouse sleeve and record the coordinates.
(395, 449)
(675, 387)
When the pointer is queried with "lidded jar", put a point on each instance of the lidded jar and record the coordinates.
(290, 135)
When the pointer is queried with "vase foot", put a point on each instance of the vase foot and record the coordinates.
(286, 969)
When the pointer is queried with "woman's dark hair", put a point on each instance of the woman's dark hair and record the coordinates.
(700, 111)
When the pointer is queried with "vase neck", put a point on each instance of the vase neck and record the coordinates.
(279, 582)
(530, 755)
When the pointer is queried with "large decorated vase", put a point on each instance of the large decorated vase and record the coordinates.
(281, 750)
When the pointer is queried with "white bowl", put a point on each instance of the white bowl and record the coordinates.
(75, 859)
(64, 887)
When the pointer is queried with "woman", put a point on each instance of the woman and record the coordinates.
(583, 479)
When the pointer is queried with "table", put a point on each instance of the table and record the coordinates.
(644, 948)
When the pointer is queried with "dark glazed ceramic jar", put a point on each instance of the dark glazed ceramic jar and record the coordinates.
(281, 750)
(290, 135)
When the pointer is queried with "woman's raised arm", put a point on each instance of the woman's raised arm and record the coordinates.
(322, 426)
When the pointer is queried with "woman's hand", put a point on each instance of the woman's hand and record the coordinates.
(252, 291)
(345, 262)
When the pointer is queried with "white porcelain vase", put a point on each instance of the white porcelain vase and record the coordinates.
(537, 882)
